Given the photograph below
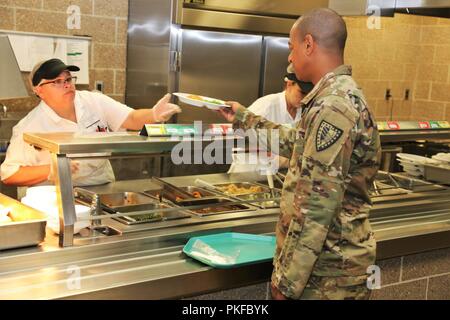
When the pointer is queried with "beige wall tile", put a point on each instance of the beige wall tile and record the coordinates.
(383, 108)
(435, 35)
(432, 72)
(120, 82)
(41, 21)
(442, 55)
(422, 90)
(427, 110)
(122, 30)
(399, 33)
(381, 51)
(102, 30)
(444, 21)
(425, 53)
(107, 76)
(411, 72)
(398, 88)
(414, 33)
(375, 89)
(356, 52)
(402, 109)
(391, 71)
(440, 92)
(62, 5)
(407, 53)
(429, 21)
(25, 3)
(6, 18)
(367, 70)
(111, 8)
(110, 56)
(447, 112)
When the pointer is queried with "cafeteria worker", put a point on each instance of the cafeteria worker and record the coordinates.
(64, 109)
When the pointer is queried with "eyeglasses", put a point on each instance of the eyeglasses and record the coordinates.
(61, 82)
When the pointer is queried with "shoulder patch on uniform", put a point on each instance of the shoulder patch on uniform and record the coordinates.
(327, 135)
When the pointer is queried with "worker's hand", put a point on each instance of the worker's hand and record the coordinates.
(164, 110)
(74, 168)
(230, 113)
(276, 294)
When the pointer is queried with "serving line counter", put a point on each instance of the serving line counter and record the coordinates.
(145, 260)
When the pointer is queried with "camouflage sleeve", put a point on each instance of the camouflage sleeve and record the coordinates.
(318, 197)
(286, 136)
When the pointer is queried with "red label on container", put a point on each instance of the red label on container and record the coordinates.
(424, 125)
(393, 125)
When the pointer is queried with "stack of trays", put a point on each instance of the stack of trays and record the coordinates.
(443, 158)
(413, 164)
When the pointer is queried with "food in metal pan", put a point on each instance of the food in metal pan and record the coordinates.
(234, 189)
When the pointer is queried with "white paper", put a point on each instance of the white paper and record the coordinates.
(61, 50)
(19, 45)
(30, 50)
(78, 55)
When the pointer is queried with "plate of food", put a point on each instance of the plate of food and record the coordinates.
(201, 101)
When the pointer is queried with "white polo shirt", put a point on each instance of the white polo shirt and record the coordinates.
(273, 107)
(94, 112)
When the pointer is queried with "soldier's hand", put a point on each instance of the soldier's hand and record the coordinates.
(230, 113)
(276, 294)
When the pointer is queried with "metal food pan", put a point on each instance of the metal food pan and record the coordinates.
(124, 199)
(193, 190)
(171, 195)
(240, 185)
(27, 228)
(149, 217)
(213, 206)
(262, 197)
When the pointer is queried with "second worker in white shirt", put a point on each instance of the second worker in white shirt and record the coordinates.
(283, 108)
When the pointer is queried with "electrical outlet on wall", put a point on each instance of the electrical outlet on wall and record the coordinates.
(407, 92)
(99, 86)
(388, 94)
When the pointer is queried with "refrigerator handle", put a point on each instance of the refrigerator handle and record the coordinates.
(175, 61)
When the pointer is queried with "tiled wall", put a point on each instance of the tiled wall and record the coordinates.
(407, 52)
(104, 20)
(423, 276)
(415, 277)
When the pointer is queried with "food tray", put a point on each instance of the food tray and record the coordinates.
(243, 249)
(437, 174)
(27, 228)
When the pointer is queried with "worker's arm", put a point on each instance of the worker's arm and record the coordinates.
(244, 119)
(30, 175)
(318, 196)
(161, 112)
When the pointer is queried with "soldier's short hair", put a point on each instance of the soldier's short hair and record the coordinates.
(326, 27)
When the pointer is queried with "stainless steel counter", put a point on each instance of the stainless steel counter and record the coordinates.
(147, 262)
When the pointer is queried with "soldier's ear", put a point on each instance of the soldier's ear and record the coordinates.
(309, 44)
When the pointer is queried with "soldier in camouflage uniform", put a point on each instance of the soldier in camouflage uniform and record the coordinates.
(324, 239)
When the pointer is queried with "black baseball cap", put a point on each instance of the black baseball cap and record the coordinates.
(49, 69)
(306, 87)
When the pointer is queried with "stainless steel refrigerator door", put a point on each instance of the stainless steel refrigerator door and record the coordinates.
(276, 52)
(220, 65)
(149, 31)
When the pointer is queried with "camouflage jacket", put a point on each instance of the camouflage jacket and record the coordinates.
(323, 228)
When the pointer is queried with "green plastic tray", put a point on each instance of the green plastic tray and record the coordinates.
(244, 248)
